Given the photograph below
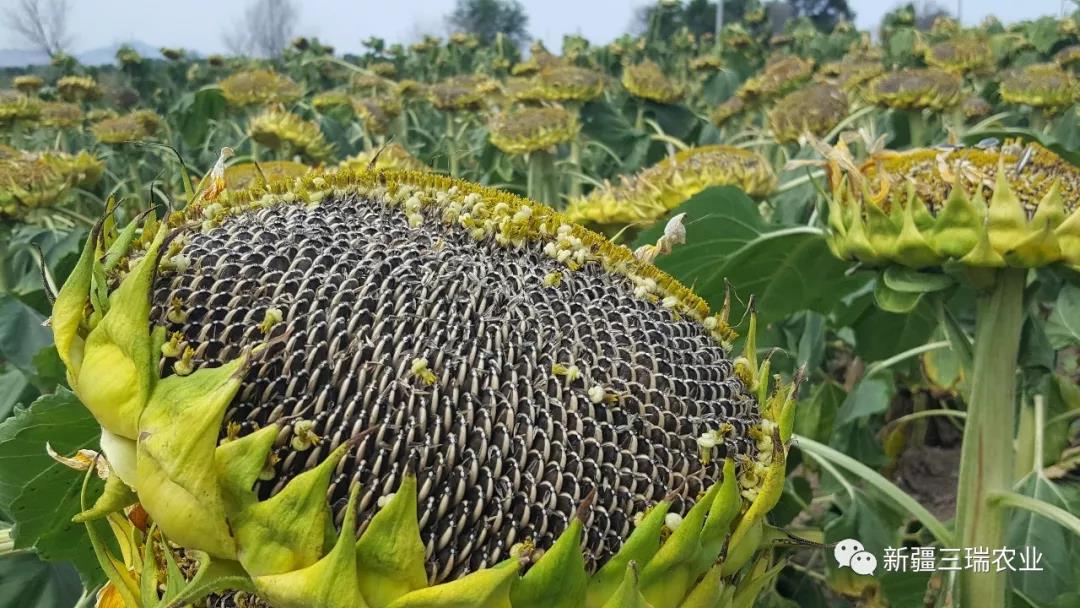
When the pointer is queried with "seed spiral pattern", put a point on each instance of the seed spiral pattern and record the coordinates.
(514, 396)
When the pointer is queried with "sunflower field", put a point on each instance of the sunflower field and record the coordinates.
(734, 320)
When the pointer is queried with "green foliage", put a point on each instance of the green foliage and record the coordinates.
(40, 495)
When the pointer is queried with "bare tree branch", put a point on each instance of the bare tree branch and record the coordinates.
(42, 23)
(266, 29)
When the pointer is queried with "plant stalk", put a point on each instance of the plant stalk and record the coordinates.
(986, 458)
(542, 177)
(451, 144)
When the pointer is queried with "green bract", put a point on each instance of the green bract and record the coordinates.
(1009, 206)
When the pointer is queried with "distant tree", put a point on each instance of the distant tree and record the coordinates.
(266, 29)
(927, 13)
(486, 18)
(42, 24)
(824, 13)
(698, 16)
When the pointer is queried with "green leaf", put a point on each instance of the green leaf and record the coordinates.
(21, 333)
(880, 334)
(195, 111)
(13, 388)
(1063, 326)
(40, 495)
(870, 396)
(19, 265)
(908, 280)
(1060, 549)
(891, 300)
(815, 417)
(28, 582)
(718, 222)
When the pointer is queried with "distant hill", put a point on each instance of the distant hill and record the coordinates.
(17, 58)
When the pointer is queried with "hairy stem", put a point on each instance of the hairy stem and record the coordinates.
(986, 460)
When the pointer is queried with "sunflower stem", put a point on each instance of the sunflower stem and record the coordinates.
(986, 459)
(542, 178)
(575, 161)
(451, 144)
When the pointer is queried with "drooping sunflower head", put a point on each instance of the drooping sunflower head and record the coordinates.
(15, 107)
(814, 109)
(1066, 57)
(78, 88)
(386, 69)
(128, 56)
(392, 156)
(781, 74)
(1013, 205)
(377, 112)
(280, 130)
(561, 83)
(1043, 85)
(329, 101)
(647, 81)
(136, 126)
(31, 181)
(525, 130)
(461, 93)
(172, 53)
(259, 87)
(28, 83)
(961, 54)
(60, 114)
(726, 110)
(851, 73)
(709, 62)
(649, 194)
(446, 362)
(975, 107)
(916, 89)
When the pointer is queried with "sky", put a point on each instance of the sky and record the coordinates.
(198, 24)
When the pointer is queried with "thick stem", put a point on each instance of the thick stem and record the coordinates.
(451, 144)
(542, 178)
(986, 460)
(917, 128)
(575, 161)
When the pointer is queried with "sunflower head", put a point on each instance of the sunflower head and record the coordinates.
(32, 181)
(27, 83)
(370, 286)
(781, 74)
(60, 114)
(328, 101)
(174, 54)
(78, 88)
(525, 130)
(1013, 205)
(128, 56)
(560, 83)
(461, 93)
(135, 126)
(392, 156)
(280, 130)
(726, 110)
(961, 54)
(975, 107)
(649, 194)
(1043, 85)
(851, 73)
(386, 69)
(258, 87)
(1066, 57)
(709, 62)
(815, 109)
(647, 81)
(916, 89)
(377, 112)
(15, 106)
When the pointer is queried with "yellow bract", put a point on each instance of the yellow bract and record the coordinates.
(1043, 85)
(916, 89)
(648, 81)
(280, 130)
(259, 87)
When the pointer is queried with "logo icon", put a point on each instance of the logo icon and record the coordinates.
(850, 553)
